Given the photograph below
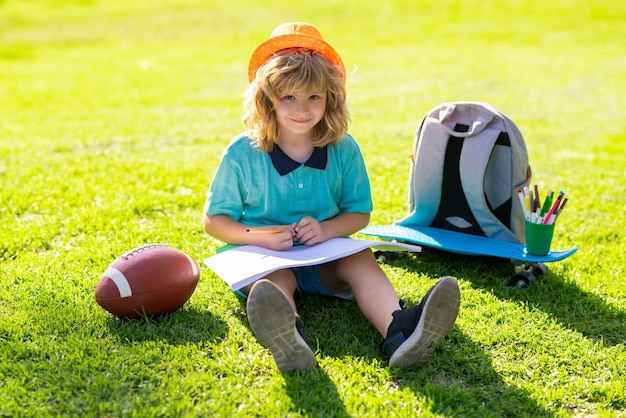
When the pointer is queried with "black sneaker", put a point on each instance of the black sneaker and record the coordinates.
(278, 327)
(415, 333)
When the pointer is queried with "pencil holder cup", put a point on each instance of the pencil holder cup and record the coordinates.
(538, 238)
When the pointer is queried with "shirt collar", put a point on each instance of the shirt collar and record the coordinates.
(285, 165)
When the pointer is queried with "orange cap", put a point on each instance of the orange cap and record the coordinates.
(293, 35)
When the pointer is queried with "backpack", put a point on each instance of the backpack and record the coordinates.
(468, 162)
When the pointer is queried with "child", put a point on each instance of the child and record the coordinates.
(299, 178)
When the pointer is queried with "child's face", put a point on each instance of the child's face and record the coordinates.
(298, 113)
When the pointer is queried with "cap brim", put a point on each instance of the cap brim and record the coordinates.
(279, 43)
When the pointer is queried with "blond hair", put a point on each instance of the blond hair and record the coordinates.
(295, 71)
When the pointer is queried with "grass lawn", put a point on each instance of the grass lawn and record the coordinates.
(113, 115)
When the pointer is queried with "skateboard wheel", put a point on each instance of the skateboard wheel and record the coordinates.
(522, 279)
(383, 256)
(540, 269)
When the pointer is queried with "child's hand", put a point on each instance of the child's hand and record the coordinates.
(309, 231)
(275, 238)
(279, 241)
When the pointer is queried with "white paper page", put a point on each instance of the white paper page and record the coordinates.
(244, 265)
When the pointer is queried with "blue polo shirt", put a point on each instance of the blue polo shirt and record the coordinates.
(258, 188)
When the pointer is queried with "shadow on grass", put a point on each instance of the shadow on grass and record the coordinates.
(314, 394)
(180, 327)
(572, 306)
(459, 380)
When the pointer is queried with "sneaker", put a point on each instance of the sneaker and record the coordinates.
(414, 333)
(278, 327)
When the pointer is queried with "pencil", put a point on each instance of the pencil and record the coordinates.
(265, 231)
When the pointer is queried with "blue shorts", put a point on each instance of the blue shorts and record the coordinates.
(308, 281)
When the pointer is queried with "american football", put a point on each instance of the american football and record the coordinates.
(151, 280)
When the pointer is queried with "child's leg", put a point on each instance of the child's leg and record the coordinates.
(410, 335)
(372, 290)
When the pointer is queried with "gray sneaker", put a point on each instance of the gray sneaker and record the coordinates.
(415, 333)
(277, 326)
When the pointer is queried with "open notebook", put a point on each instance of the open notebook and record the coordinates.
(243, 265)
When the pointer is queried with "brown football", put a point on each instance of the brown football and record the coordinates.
(151, 280)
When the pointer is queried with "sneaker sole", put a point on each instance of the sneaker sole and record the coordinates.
(440, 312)
(273, 321)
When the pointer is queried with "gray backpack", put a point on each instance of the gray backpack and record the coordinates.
(468, 162)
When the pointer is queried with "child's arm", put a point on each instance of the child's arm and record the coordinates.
(309, 231)
(230, 231)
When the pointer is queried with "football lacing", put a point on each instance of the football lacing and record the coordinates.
(134, 251)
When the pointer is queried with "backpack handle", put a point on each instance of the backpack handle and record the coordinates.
(475, 117)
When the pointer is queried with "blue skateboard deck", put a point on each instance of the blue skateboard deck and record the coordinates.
(460, 243)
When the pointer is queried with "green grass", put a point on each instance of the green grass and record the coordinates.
(113, 116)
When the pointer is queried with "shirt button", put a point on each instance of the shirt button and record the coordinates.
(300, 185)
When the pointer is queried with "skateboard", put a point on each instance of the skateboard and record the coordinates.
(467, 244)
